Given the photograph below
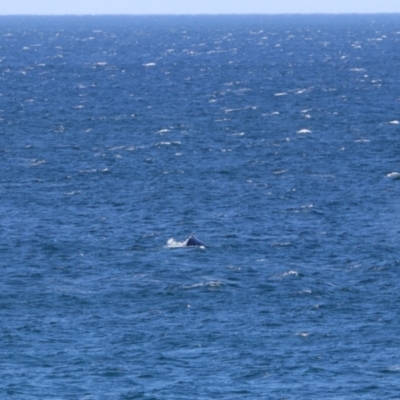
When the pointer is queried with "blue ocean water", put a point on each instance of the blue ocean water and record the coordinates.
(274, 139)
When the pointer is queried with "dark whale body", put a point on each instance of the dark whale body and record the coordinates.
(193, 241)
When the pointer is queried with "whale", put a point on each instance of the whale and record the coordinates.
(192, 241)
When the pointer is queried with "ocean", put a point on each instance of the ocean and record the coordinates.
(274, 139)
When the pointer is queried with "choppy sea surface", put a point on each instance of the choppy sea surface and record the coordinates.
(274, 139)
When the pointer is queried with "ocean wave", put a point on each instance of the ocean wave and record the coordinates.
(394, 175)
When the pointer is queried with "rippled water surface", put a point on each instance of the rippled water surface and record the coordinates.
(274, 139)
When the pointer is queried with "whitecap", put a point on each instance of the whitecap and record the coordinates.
(394, 368)
(151, 64)
(195, 285)
(394, 122)
(214, 284)
(242, 90)
(362, 141)
(289, 273)
(116, 148)
(394, 175)
(210, 285)
(35, 162)
(73, 192)
(302, 334)
(280, 94)
(280, 244)
(168, 143)
(304, 131)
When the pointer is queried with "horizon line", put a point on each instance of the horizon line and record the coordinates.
(198, 14)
